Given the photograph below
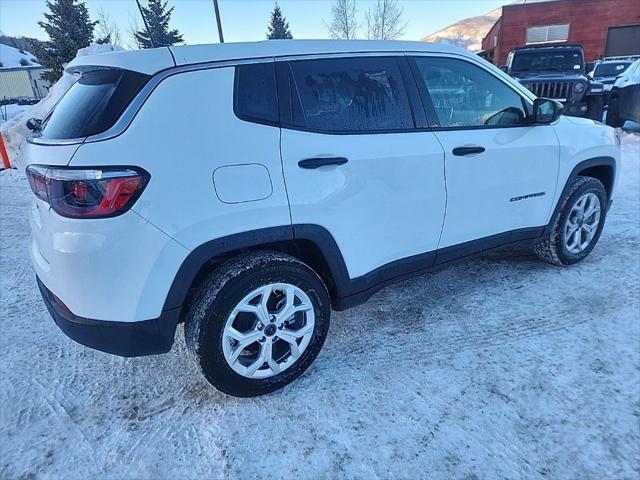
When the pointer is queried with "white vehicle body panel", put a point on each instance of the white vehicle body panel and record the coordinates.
(582, 139)
(181, 144)
(46, 155)
(391, 190)
(484, 190)
(104, 269)
(631, 76)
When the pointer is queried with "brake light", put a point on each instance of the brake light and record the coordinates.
(87, 193)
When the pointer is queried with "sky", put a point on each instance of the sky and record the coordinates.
(246, 20)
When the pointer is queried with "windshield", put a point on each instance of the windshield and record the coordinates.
(570, 60)
(610, 69)
(93, 103)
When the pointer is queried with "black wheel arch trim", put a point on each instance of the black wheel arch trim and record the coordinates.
(579, 168)
(204, 253)
(347, 291)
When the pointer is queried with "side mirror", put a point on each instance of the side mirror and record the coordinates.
(34, 124)
(546, 111)
(504, 68)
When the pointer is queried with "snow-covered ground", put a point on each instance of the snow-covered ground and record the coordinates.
(503, 367)
(7, 112)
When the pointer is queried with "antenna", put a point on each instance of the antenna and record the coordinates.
(146, 25)
(215, 6)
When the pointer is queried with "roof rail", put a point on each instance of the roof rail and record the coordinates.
(548, 45)
(623, 57)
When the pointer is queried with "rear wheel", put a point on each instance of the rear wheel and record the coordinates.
(613, 113)
(576, 228)
(257, 323)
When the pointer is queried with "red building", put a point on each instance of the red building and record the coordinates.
(602, 27)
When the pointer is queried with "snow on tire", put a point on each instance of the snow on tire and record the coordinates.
(257, 323)
(577, 226)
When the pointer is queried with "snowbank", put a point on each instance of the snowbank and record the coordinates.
(7, 112)
(11, 57)
(14, 131)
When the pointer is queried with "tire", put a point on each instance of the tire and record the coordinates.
(555, 245)
(595, 108)
(211, 315)
(613, 113)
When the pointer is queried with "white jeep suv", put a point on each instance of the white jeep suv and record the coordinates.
(246, 190)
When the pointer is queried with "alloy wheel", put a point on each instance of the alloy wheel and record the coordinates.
(268, 331)
(582, 223)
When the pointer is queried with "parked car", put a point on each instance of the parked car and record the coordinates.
(607, 71)
(246, 190)
(590, 67)
(558, 72)
(624, 100)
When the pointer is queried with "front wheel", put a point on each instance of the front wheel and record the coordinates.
(257, 323)
(576, 228)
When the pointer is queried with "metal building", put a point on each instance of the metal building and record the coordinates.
(22, 83)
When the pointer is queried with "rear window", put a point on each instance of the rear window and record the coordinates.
(93, 104)
(351, 95)
(255, 93)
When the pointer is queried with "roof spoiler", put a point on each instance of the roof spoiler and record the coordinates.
(148, 62)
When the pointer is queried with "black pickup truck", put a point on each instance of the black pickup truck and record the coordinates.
(558, 72)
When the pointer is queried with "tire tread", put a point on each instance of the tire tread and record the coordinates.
(548, 249)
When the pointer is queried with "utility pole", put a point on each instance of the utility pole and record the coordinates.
(146, 25)
(215, 6)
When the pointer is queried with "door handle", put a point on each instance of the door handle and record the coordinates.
(321, 162)
(462, 151)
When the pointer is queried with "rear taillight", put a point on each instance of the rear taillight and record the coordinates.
(87, 193)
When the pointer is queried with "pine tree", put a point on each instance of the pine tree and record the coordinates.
(70, 29)
(278, 26)
(157, 16)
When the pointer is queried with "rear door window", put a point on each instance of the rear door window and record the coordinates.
(359, 95)
(93, 104)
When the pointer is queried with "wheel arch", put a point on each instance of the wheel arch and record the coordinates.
(600, 168)
(605, 172)
(310, 244)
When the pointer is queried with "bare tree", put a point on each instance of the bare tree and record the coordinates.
(107, 30)
(384, 20)
(132, 30)
(344, 24)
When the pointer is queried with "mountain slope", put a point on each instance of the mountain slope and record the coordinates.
(467, 33)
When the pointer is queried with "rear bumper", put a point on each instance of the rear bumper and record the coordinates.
(126, 339)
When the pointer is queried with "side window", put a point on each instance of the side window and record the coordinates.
(350, 95)
(255, 92)
(464, 95)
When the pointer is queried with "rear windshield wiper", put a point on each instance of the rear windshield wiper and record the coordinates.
(34, 124)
